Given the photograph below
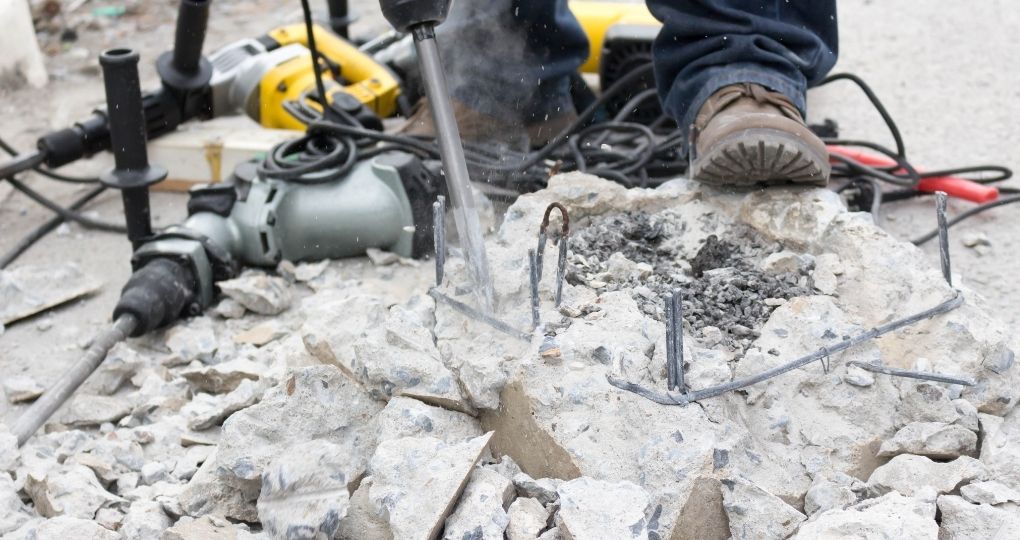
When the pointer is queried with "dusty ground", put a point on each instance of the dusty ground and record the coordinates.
(945, 70)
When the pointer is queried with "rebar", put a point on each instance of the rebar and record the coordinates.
(678, 341)
(534, 278)
(911, 374)
(684, 398)
(439, 236)
(55, 396)
(940, 212)
(561, 270)
(543, 236)
(670, 342)
(476, 315)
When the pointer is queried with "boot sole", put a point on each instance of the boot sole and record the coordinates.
(761, 156)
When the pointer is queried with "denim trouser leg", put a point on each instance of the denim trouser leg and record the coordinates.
(512, 59)
(784, 45)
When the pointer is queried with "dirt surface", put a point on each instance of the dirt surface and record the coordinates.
(956, 101)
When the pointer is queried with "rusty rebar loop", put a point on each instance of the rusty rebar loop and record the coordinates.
(685, 398)
(534, 278)
(565, 228)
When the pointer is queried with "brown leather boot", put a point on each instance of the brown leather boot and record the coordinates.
(746, 134)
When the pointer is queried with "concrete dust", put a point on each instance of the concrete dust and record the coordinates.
(722, 283)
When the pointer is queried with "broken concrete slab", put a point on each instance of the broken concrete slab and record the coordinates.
(909, 475)
(364, 521)
(28, 290)
(65, 527)
(87, 410)
(304, 491)
(258, 292)
(596, 509)
(889, 516)
(313, 403)
(936, 440)
(407, 417)
(246, 394)
(68, 491)
(989, 492)
(754, 513)
(481, 510)
(961, 519)
(416, 481)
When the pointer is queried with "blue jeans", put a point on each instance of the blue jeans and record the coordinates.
(512, 59)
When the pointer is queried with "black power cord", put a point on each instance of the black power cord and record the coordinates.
(903, 174)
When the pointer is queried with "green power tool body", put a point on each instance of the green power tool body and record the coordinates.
(257, 220)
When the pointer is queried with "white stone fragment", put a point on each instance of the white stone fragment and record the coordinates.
(757, 514)
(21, 388)
(596, 509)
(936, 440)
(304, 491)
(193, 339)
(481, 509)
(961, 519)
(989, 492)
(416, 482)
(258, 292)
(891, 516)
(909, 474)
(527, 519)
(68, 491)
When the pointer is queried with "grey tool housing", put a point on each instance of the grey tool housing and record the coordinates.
(250, 220)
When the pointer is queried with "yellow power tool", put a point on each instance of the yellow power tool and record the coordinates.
(270, 78)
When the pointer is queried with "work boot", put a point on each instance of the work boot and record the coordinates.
(746, 134)
(474, 126)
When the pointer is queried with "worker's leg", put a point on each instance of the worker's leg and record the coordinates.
(512, 59)
(708, 45)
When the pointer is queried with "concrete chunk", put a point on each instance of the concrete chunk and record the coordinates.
(416, 482)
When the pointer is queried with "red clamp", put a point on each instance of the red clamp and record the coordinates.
(954, 186)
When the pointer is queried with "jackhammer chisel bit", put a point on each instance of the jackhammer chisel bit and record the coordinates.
(419, 18)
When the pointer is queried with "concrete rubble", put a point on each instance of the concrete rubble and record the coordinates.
(340, 400)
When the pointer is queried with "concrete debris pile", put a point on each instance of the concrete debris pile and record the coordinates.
(341, 400)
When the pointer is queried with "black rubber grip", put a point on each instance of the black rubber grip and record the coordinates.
(192, 19)
(157, 294)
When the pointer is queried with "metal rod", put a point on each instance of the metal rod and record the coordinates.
(451, 150)
(910, 374)
(561, 270)
(534, 278)
(479, 316)
(439, 236)
(684, 398)
(540, 251)
(670, 342)
(44, 407)
(678, 341)
(940, 211)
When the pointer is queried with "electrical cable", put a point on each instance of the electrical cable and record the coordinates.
(65, 213)
(31, 238)
(48, 172)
